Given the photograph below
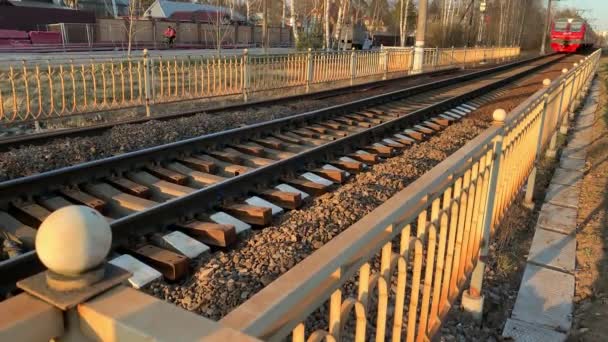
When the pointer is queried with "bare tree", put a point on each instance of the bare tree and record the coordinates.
(342, 12)
(132, 7)
(376, 18)
(447, 19)
(284, 10)
(221, 25)
(247, 10)
(501, 23)
(403, 12)
(524, 9)
(293, 22)
(265, 25)
(326, 19)
(231, 5)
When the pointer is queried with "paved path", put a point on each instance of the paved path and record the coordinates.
(17, 57)
(543, 309)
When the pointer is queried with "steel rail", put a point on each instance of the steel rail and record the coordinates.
(41, 138)
(169, 212)
(55, 179)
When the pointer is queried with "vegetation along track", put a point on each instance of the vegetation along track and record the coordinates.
(216, 186)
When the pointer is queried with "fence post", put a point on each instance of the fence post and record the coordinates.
(412, 57)
(572, 105)
(551, 152)
(88, 30)
(246, 71)
(385, 57)
(436, 59)
(563, 129)
(154, 32)
(353, 66)
(472, 299)
(579, 93)
(236, 32)
(452, 59)
(64, 35)
(309, 70)
(529, 196)
(147, 81)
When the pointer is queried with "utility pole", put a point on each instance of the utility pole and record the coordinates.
(420, 34)
(544, 42)
(265, 25)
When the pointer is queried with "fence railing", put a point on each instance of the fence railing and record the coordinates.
(393, 275)
(441, 57)
(39, 91)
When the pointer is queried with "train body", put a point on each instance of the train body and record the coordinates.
(571, 35)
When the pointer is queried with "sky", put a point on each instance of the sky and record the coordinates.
(597, 9)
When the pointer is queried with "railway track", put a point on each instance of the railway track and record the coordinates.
(15, 141)
(215, 187)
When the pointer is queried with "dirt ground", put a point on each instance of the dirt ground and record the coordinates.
(591, 293)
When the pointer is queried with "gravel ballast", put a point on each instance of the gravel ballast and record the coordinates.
(227, 278)
(63, 152)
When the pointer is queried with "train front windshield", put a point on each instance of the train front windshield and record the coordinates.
(561, 26)
(576, 27)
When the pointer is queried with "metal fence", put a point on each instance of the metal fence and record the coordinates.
(39, 91)
(393, 275)
(452, 56)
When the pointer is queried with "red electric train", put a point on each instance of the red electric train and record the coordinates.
(571, 35)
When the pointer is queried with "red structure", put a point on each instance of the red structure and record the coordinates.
(15, 39)
(571, 35)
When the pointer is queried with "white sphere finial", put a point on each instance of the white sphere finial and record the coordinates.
(564, 70)
(499, 115)
(73, 240)
(575, 65)
(546, 82)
